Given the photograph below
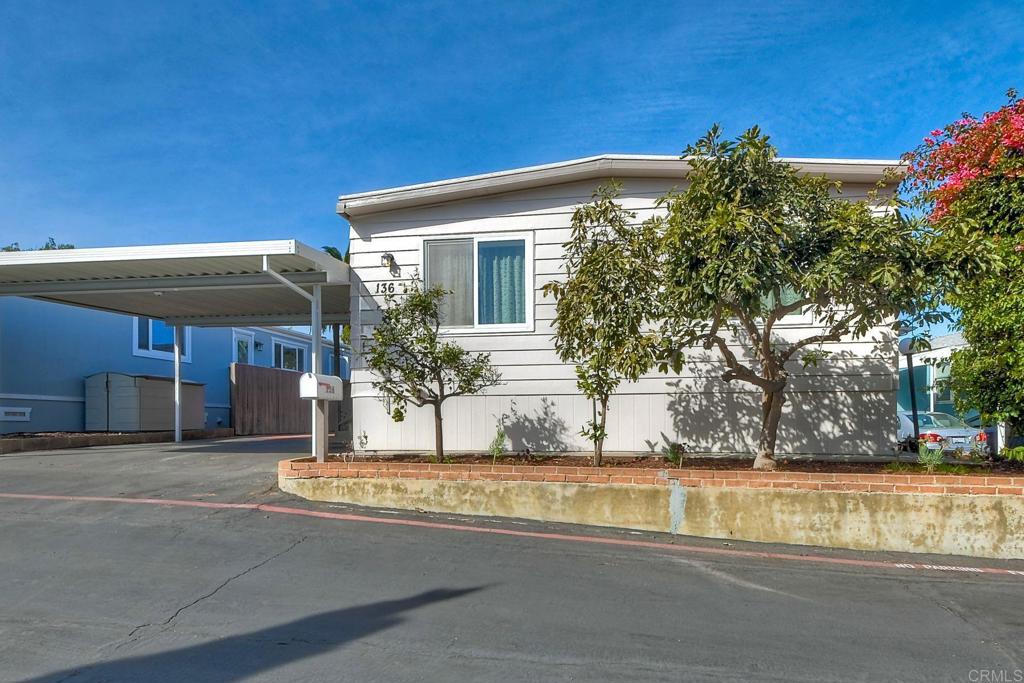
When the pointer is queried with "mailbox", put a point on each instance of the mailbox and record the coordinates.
(321, 387)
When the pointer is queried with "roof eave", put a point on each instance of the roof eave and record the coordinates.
(624, 166)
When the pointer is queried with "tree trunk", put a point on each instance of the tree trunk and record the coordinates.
(771, 413)
(438, 433)
(599, 442)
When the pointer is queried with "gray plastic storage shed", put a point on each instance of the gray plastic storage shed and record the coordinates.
(116, 402)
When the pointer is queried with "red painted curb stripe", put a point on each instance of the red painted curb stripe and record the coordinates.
(621, 542)
(137, 501)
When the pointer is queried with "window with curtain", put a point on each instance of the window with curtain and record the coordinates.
(450, 265)
(497, 268)
(501, 286)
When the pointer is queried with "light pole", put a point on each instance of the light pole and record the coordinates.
(907, 347)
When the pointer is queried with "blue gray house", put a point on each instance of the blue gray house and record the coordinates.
(47, 350)
(931, 367)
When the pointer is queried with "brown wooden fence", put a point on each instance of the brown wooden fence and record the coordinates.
(266, 401)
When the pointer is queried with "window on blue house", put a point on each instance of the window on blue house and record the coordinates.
(489, 280)
(943, 394)
(289, 356)
(155, 339)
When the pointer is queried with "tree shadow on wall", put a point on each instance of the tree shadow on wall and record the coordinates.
(540, 432)
(826, 413)
(237, 658)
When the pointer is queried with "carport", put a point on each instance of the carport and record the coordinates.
(217, 284)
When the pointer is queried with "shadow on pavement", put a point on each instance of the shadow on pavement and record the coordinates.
(235, 658)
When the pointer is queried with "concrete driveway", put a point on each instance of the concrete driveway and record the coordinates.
(99, 581)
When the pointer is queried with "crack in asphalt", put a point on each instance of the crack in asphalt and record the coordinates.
(984, 631)
(167, 622)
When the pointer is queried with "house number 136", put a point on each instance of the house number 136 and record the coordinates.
(385, 288)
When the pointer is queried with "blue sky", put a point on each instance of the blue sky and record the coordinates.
(135, 123)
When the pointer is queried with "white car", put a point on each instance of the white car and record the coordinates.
(942, 431)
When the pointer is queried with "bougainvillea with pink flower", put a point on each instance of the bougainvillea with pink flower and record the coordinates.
(952, 159)
(967, 181)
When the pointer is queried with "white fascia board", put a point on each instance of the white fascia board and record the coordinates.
(337, 271)
(151, 252)
(608, 165)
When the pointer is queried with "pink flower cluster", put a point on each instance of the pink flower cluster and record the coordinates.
(952, 158)
(1013, 135)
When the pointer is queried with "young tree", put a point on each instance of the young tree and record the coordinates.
(603, 304)
(415, 365)
(968, 179)
(752, 240)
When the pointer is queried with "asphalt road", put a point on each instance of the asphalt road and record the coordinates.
(109, 591)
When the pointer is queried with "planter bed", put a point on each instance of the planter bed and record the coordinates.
(868, 478)
(979, 514)
(880, 466)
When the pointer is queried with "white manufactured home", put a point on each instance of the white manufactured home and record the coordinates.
(496, 239)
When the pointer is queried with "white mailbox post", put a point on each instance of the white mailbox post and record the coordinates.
(320, 389)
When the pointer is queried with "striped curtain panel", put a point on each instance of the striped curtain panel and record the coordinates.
(501, 282)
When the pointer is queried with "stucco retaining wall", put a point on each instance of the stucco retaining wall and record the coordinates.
(938, 517)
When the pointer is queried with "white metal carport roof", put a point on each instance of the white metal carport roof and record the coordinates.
(277, 282)
(212, 284)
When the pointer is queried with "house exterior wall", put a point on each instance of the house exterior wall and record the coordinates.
(930, 367)
(845, 406)
(47, 350)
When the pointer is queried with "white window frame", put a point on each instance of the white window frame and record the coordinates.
(186, 351)
(285, 343)
(15, 414)
(251, 337)
(528, 280)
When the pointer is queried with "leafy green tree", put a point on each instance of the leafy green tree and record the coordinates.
(751, 240)
(49, 245)
(604, 302)
(415, 365)
(967, 178)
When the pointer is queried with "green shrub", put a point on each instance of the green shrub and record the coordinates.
(1013, 454)
(908, 468)
(930, 458)
(674, 452)
(497, 447)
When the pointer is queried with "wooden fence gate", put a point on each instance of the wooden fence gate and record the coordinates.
(266, 401)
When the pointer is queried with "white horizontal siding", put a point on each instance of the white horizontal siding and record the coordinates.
(845, 405)
(812, 423)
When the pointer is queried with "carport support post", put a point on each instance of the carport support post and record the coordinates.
(319, 436)
(177, 383)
